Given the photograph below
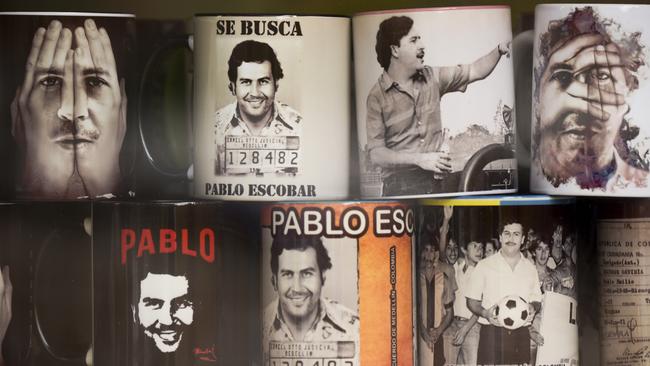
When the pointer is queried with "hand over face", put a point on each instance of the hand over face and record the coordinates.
(42, 113)
(100, 110)
(582, 101)
(69, 115)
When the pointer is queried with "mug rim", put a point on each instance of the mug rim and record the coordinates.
(603, 5)
(270, 15)
(68, 14)
(160, 202)
(501, 200)
(432, 9)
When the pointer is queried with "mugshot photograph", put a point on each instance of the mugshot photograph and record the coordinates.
(304, 302)
(49, 258)
(64, 94)
(255, 75)
(590, 135)
(336, 281)
(171, 281)
(416, 135)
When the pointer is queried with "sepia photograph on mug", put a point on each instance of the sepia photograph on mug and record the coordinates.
(258, 123)
(496, 286)
(435, 113)
(310, 300)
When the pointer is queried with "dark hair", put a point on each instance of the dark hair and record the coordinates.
(427, 237)
(299, 242)
(495, 243)
(159, 264)
(466, 243)
(390, 32)
(534, 244)
(505, 221)
(253, 51)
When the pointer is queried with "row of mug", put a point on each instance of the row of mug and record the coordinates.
(271, 116)
(486, 280)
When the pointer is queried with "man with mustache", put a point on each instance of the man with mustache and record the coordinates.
(506, 273)
(69, 114)
(403, 108)
(583, 81)
(300, 313)
(254, 72)
(164, 310)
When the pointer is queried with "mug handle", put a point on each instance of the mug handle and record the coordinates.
(172, 44)
(522, 52)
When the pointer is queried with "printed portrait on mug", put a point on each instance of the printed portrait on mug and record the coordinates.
(431, 107)
(589, 133)
(67, 104)
(257, 133)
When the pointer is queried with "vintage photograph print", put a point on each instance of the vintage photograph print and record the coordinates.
(336, 284)
(434, 112)
(496, 285)
(271, 96)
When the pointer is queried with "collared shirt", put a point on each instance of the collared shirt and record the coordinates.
(407, 121)
(335, 323)
(463, 274)
(434, 300)
(228, 122)
(493, 279)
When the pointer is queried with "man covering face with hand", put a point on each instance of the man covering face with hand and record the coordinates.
(584, 83)
(69, 114)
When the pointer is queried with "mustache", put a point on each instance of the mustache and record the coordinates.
(293, 294)
(250, 98)
(69, 128)
(159, 328)
(579, 123)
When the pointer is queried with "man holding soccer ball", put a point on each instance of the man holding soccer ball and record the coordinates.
(507, 273)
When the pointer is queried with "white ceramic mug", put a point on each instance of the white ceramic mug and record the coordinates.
(412, 141)
(271, 107)
(590, 134)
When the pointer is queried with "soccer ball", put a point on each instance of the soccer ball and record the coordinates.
(512, 312)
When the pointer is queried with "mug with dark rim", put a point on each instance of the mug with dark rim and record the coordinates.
(271, 109)
(65, 79)
(412, 141)
(174, 282)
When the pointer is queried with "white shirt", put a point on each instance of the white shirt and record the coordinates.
(462, 280)
(493, 279)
